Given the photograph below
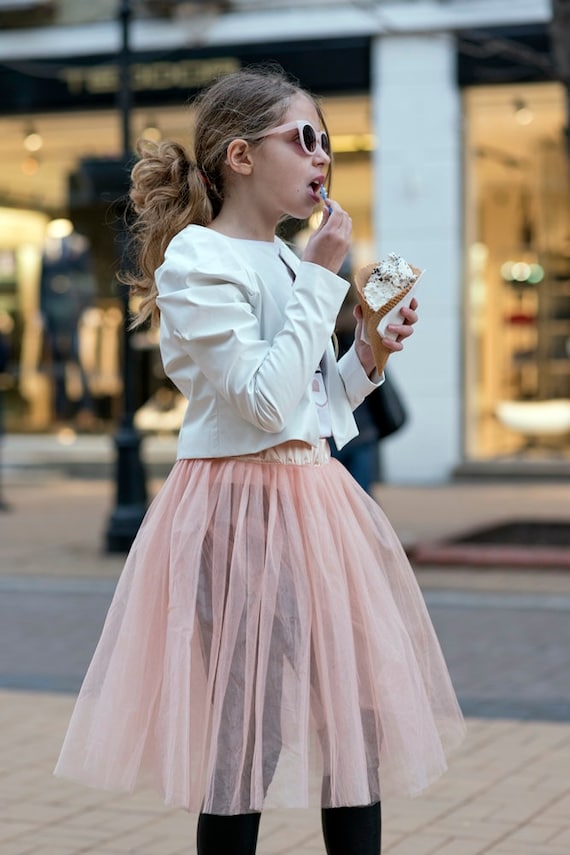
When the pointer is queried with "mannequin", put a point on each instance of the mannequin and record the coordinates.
(67, 288)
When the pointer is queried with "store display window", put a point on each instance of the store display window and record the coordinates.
(60, 313)
(517, 258)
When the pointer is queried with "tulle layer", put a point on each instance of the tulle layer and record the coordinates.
(267, 645)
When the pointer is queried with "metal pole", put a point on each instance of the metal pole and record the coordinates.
(4, 362)
(4, 506)
(131, 493)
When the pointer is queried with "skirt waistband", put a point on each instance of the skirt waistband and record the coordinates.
(298, 453)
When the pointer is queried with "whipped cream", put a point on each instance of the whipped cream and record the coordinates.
(389, 277)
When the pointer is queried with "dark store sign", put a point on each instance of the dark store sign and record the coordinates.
(155, 76)
(331, 66)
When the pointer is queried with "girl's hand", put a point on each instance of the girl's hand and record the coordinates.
(403, 331)
(329, 244)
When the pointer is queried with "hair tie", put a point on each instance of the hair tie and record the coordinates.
(204, 178)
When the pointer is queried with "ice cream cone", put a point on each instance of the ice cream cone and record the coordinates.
(372, 317)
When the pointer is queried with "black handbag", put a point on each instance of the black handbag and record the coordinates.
(387, 408)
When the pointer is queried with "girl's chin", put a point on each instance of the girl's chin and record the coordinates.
(304, 211)
(303, 208)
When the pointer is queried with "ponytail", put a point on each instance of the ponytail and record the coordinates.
(168, 192)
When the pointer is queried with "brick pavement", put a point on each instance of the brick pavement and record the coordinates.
(507, 793)
(508, 788)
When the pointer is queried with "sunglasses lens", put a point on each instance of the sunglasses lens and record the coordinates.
(309, 138)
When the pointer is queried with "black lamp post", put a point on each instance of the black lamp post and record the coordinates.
(131, 493)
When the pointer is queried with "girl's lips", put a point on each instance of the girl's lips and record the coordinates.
(316, 188)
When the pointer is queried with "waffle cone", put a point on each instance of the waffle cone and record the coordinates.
(372, 317)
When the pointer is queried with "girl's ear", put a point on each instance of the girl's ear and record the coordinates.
(238, 157)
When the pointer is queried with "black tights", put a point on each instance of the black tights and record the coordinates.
(352, 830)
(346, 831)
(227, 835)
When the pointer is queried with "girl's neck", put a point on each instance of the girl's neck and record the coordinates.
(240, 229)
(245, 218)
(240, 233)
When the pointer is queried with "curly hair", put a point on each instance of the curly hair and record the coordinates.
(170, 190)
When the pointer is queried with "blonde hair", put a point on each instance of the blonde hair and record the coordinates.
(169, 190)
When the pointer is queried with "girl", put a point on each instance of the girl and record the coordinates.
(267, 622)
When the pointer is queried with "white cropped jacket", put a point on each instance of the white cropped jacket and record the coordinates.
(241, 341)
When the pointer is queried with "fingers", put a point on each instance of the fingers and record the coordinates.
(335, 216)
(409, 313)
(406, 328)
(401, 331)
(330, 243)
(338, 219)
(326, 215)
(393, 345)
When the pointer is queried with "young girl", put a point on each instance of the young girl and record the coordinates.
(267, 624)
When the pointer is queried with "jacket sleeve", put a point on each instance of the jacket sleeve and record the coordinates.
(214, 320)
(357, 384)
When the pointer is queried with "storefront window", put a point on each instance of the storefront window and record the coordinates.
(60, 318)
(517, 305)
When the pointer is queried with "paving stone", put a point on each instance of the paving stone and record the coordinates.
(425, 844)
(17, 848)
(10, 831)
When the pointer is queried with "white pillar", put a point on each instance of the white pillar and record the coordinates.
(417, 213)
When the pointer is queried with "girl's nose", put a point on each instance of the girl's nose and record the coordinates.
(320, 155)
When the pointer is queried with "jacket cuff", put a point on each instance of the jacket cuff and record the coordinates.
(356, 381)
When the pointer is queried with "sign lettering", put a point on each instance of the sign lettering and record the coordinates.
(185, 74)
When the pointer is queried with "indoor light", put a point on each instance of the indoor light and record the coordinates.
(523, 113)
(30, 165)
(152, 132)
(522, 272)
(59, 228)
(32, 140)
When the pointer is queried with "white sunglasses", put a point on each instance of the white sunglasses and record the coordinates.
(308, 136)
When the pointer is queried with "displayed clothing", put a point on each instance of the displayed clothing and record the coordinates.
(67, 289)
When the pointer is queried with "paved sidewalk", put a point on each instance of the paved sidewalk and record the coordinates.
(507, 793)
(508, 788)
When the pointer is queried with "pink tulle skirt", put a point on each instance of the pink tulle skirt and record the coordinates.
(267, 645)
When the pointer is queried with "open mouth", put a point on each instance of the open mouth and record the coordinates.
(315, 187)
